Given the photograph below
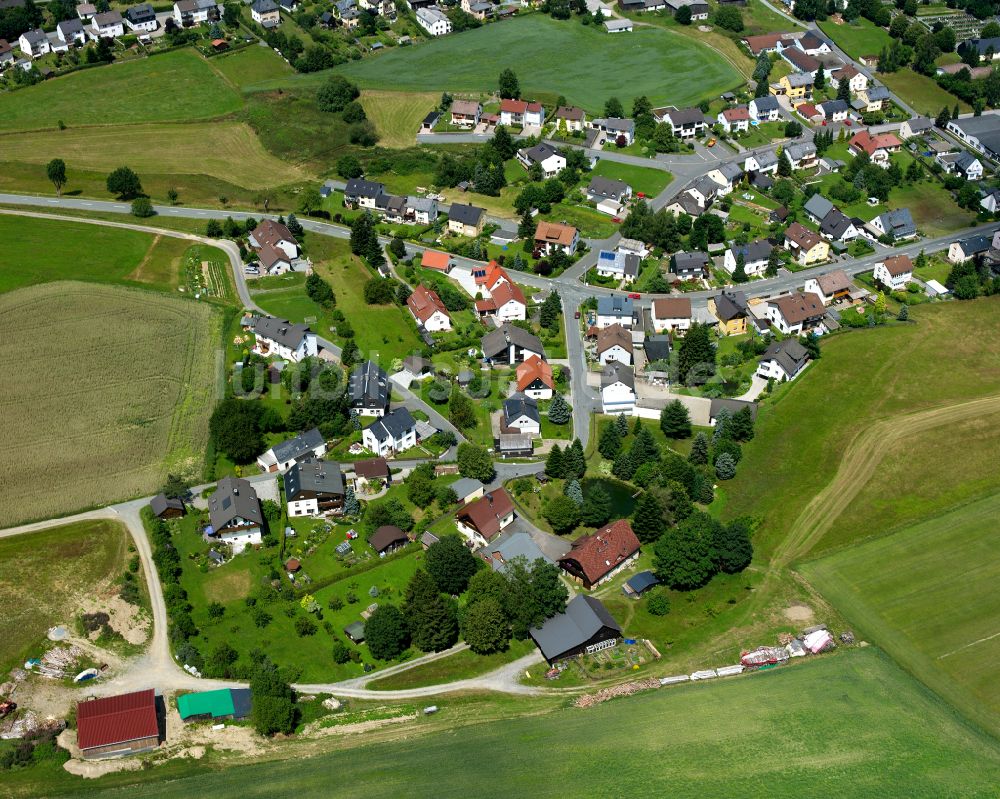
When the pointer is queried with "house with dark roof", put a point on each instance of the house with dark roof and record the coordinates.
(369, 471)
(964, 249)
(570, 118)
(685, 123)
(840, 228)
(520, 415)
(71, 31)
(981, 133)
(466, 220)
(285, 455)
(510, 345)
(585, 627)
(782, 360)
(141, 17)
(765, 162)
(962, 163)
(368, 389)
(391, 434)
(834, 110)
(830, 287)
(280, 338)
(620, 265)
(234, 514)
(120, 725)
(387, 539)
(727, 176)
(596, 558)
(361, 193)
(510, 546)
(898, 224)
(549, 159)
(615, 309)
(731, 309)
(755, 255)
(615, 129)
(617, 389)
(765, 109)
(657, 348)
(483, 520)
(796, 313)
(640, 583)
(817, 207)
(165, 507)
(601, 188)
(314, 487)
(689, 265)
(806, 245)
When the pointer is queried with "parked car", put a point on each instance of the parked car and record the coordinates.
(635, 295)
(576, 315)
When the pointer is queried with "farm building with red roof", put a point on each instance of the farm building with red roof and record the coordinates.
(117, 725)
(596, 558)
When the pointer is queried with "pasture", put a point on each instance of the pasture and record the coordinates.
(175, 87)
(251, 65)
(65, 564)
(551, 58)
(397, 115)
(927, 595)
(117, 393)
(850, 725)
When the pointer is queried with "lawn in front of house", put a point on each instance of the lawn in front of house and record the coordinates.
(858, 38)
(642, 179)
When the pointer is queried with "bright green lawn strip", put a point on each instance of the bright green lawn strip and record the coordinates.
(174, 87)
(642, 179)
(927, 595)
(459, 666)
(858, 38)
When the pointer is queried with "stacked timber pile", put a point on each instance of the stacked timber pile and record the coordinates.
(625, 689)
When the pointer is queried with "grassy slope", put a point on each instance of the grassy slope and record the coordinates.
(550, 57)
(135, 91)
(251, 65)
(65, 563)
(851, 726)
(397, 115)
(868, 375)
(927, 595)
(459, 666)
(130, 377)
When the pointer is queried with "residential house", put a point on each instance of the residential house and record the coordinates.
(727, 176)
(617, 389)
(34, 43)
(361, 193)
(164, 507)
(285, 455)
(282, 339)
(374, 470)
(431, 120)
(515, 545)
(639, 584)
(895, 272)
(488, 277)
(795, 313)
(433, 20)
(141, 18)
(619, 131)
(878, 147)
(802, 155)
(964, 249)
(506, 303)
(671, 315)
(234, 514)
(731, 309)
(520, 415)
(782, 360)
(438, 261)
(570, 118)
(768, 43)
(897, 225)
(632, 246)
(619, 265)
(510, 345)
(108, 25)
(84, 11)
(835, 110)
(812, 44)
(483, 520)
(689, 265)
(797, 86)
(762, 163)
(583, 628)
(601, 188)
(918, 126)
(195, 12)
(387, 539)
(704, 190)
(595, 558)
(981, 133)
(6, 54)
(685, 123)
(114, 726)
(735, 120)
(657, 350)
(876, 98)
(468, 489)
(533, 378)
(465, 113)
(809, 112)
(418, 368)
(686, 203)
(614, 343)
(962, 163)
(479, 9)
(71, 32)
(830, 287)
(368, 390)
(615, 309)
(989, 199)
(755, 257)
(275, 245)
(314, 487)
(466, 220)
(840, 228)
(642, 5)
(988, 48)
(421, 210)
(549, 159)
(817, 207)
(428, 310)
(765, 109)
(552, 236)
(806, 246)
(521, 113)
(391, 434)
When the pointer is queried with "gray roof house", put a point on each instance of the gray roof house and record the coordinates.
(601, 188)
(393, 426)
(509, 546)
(368, 389)
(586, 622)
(511, 344)
(877, 94)
(730, 305)
(616, 372)
(315, 480)
(617, 307)
(359, 189)
(165, 507)
(818, 207)
(838, 226)
(897, 224)
(788, 354)
(689, 264)
(520, 405)
(284, 454)
(466, 214)
(234, 506)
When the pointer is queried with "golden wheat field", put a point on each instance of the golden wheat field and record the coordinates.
(105, 389)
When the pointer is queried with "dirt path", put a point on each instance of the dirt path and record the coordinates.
(861, 458)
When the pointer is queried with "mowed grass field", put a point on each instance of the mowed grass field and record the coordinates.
(552, 58)
(43, 576)
(177, 86)
(850, 725)
(397, 115)
(868, 399)
(251, 65)
(117, 392)
(927, 595)
(642, 179)
(226, 150)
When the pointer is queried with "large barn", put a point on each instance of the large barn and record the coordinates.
(117, 725)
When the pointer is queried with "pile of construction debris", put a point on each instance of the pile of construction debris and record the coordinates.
(625, 689)
(28, 725)
(59, 662)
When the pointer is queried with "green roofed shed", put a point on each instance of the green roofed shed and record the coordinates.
(225, 703)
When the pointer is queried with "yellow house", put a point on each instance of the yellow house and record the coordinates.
(797, 86)
(807, 247)
(730, 308)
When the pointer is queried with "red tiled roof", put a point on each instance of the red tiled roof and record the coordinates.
(604, 549)
(808, 110)
(513, 106)
(531, 370)
(797, 307)
(802, 236)
(375, 467)
(767, 41)
(116, 719)
(271, 232)
(432, 259)
(863, 140)
(672, 308)
(898, 265)
(425, 303)
(485, 514)
(737, 114)
(555, 233)
(506, 292)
